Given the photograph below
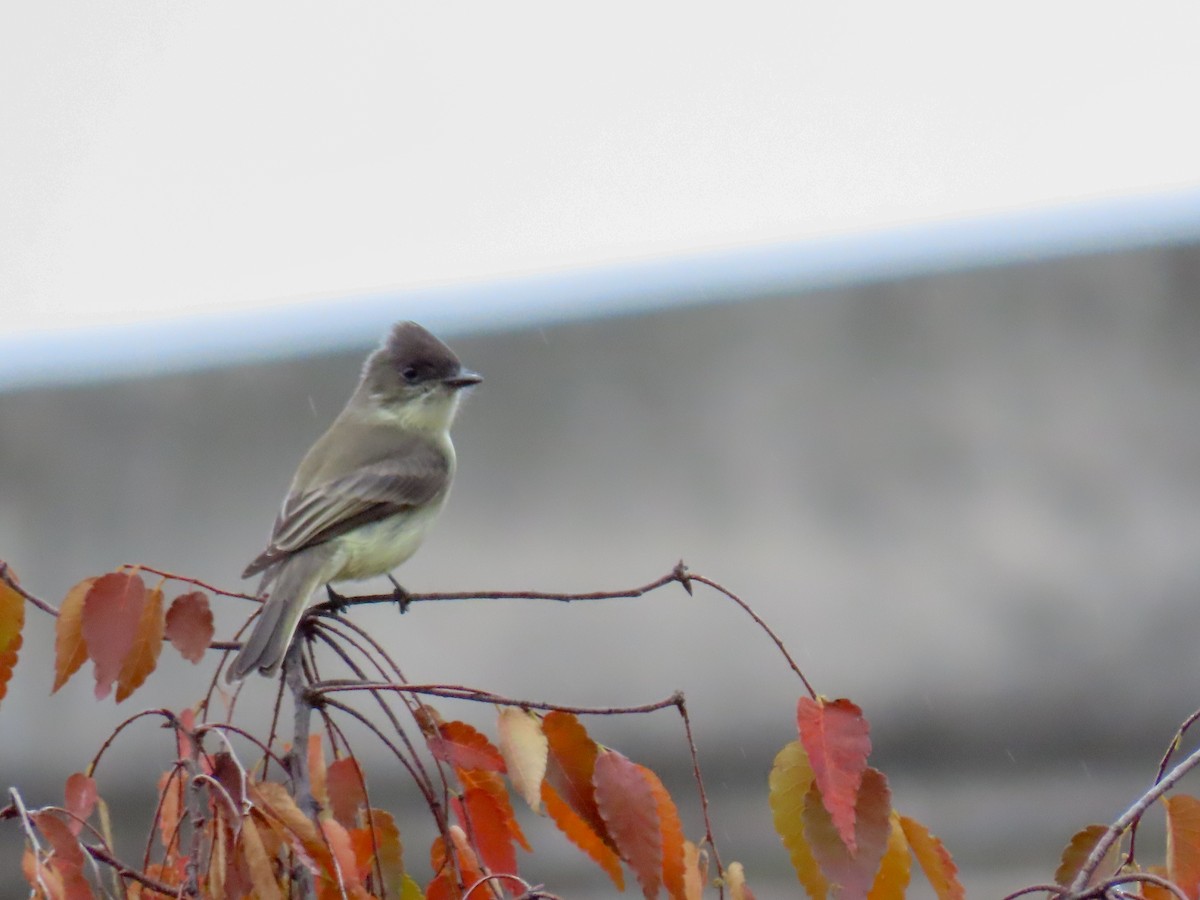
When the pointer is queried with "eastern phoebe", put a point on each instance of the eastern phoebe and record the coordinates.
(367, 491)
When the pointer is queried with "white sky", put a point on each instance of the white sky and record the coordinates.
(160, 157)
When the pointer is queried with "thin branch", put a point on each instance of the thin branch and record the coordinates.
(100, 854)
(1131, 815)
(681, 704)
(7, 577)
(459, 692)
(194, 581)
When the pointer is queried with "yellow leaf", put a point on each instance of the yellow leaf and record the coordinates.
(791, 778)
(147, 644)
(262, 874)
(525, 750)
(695, 871)
(895, 869)
(12, 620)
(735, 880)
(70, 651)
(935, 861)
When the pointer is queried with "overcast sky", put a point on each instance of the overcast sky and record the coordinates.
(162, 157)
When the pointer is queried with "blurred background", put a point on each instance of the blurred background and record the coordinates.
(888, 320)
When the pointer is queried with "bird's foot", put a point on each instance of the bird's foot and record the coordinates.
(402, 597)
(337, 603)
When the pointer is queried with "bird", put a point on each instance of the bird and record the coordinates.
(366, 493)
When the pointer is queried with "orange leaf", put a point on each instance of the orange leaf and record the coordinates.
(316, 772)
(346, 874)
(581, 834)
(347, 790)
(464, 748)
(672, 835)
(790, 780)
(851, 872)
(630, 812)
(190, 625)
(1153, 891)
(282, 814)
(895, 870)
(170, 807)
(935, 861)
(525, 749)
(79, 798)
(836, 738)
(1079, 849)
(569, 769)
(147, 644)
(112, 615)
(444, 884)
(1183, 843)
(494, 785)
(487, 826)
(12, 620)
(70, 651)
(258, 861)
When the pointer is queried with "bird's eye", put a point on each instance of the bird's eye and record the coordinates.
(410, 374)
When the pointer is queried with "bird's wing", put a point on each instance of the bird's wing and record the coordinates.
(412, 475)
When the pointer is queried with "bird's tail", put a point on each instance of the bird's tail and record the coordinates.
(294, 581)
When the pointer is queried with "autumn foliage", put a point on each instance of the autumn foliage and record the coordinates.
(297, 818)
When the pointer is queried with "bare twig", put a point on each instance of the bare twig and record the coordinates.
(1130, 816)
(7, 577)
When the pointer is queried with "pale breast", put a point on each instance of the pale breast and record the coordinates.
(378, 548)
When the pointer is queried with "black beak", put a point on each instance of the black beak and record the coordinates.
(464, 379)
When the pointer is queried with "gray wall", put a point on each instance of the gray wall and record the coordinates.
(971, 502)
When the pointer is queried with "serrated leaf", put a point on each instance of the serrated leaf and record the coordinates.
(486, 824)
(850, 873)
(1183, 843)
(673, 872)
(569, 769)
(70, 651)
(934, 859)
(464, 747)
(142, 657)
(68, 860)
(12, 620)
(837, 740)
(1077, 851)
(337, 839)
(580, 832)
(389, 853)
(525, 750)
(895, 870)
(190, 625)
(494, 785)
(280, 811)
(790, 780)
(112, 614)
(79, 799)
(630, 814)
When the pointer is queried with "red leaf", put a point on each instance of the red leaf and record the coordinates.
(851, 873)
(835, 737)
(630, 811)
(70, 651)
(112, 612)
(68, 860)
(347, 790)
(935, 861)
(12, 620)
(486, 825)
(570, 766)
(338, 839)
(464, 748)
(190, 625)
(79, 800)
